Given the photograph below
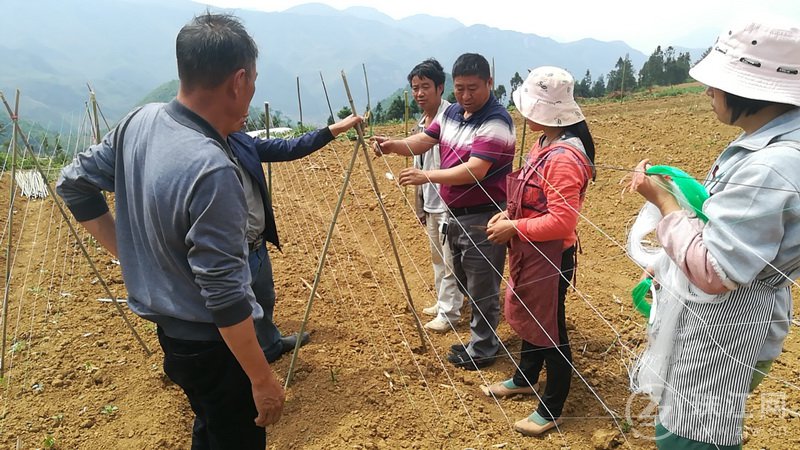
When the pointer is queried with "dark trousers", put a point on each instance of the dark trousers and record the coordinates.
(478, 267)
(218, 391)
(263, 286)
(557, 360)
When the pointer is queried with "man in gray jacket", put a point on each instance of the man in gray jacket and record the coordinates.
(180, 228)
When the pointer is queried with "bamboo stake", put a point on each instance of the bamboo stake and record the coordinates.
(389, 231)
(269, 164)
(89, 118)
(405, 116)
(9, 228)
(494, 83)
(405, 130)
(367, 113)
(299, 102)
(74, 232)
(327, 99)
(103, 116)
(95, 121)
(321, 264)
(99, 110)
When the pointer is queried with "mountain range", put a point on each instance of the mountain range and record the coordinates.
(51, 49)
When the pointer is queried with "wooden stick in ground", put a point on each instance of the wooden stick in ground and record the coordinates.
(321, 264)
(405, 130)
(327, 99)
(308, 285)
(389, 231)
(299, 102)
(269, 164)
(9, 229)
(72, 230)
(369, 105)
(95, 119)
(494, 78)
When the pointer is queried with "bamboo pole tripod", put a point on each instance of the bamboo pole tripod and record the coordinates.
(73, 232)
(360, 143)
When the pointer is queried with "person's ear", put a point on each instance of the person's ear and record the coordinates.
(239, 82)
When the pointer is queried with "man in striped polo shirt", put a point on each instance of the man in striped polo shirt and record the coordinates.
(476, 141)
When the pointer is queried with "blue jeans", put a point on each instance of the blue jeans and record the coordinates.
(269, 336)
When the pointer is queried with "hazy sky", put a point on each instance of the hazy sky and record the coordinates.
(678, 22)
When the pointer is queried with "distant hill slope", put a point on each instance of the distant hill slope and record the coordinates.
(162, 94)
(125, 49)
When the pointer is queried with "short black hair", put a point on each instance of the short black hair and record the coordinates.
(211, 47)
(741, 106)
(472, 64)
(431, 69)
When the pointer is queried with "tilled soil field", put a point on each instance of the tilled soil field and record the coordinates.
(77, 379)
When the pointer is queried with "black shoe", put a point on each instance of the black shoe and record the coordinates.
(458, 348)
(288, 343)
(464, 361)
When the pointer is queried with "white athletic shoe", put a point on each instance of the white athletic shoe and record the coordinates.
(431, 310)
(438, 325)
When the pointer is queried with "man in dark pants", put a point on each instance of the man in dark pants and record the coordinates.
(179, 232)
(251, 153)
(476, 143)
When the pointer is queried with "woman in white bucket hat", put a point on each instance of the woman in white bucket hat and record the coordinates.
(544, 200)
(722, 341)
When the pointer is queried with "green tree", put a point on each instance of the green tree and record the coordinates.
(676, 68)
(652, 72)
(344, 112)
(377, 114)
(584, 87)
(451, 97)
(279, 120)
(413, 108)
(599, 87)
(516, 82)
(622, 78)
(330, 120)
(396, 109)
(500, 93)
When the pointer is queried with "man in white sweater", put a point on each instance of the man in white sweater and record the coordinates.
(427, 86)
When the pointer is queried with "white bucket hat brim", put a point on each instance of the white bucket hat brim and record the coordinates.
(755, 61)
(546, 98)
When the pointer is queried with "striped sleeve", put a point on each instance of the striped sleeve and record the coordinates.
(435, 129)
(492, 140)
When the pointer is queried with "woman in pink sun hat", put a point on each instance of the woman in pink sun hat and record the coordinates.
(544, 201)
(712, 344)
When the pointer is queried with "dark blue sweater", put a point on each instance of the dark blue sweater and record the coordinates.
(251, 152)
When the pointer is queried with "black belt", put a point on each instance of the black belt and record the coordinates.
(255, 245)
(478, 209)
